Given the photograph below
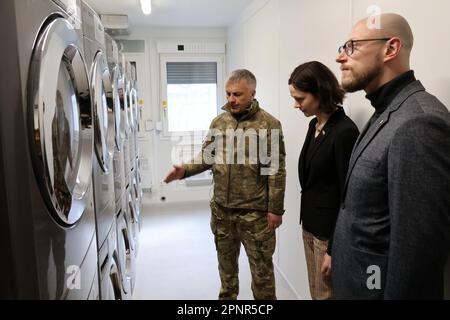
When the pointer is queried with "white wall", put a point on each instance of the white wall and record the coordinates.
(161, 149)
(274, 36)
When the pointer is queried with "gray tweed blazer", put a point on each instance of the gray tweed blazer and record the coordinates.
(392, 236)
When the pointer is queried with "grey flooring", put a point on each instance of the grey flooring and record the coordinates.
(177, 258)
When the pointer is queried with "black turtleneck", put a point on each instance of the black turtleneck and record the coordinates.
(383, 96)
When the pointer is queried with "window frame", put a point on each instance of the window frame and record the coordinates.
(170, 57)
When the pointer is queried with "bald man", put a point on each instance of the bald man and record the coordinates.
(392, 237)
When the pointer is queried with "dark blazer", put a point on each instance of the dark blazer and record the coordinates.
(322, 173)
(392, 237)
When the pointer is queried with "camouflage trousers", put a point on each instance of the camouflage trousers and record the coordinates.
(231, 227)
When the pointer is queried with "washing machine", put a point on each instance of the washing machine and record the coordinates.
(104, 141)
(137, 197)
(134, 107)
(129, 151)
(135, 188)
(48, 238)
(137, 117)
(128, 209)
(134, 205)
(112, 57)
(130, 111)
(125, 116)
(125, 253)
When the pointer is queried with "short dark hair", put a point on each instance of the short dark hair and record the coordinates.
(239, 74)
(315, 78)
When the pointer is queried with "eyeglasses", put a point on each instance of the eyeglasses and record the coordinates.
(349, 46)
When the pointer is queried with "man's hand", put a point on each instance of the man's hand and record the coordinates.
(274, 220)
(326, 265)
(175, 174)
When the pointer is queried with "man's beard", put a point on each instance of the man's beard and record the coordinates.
(361, 81)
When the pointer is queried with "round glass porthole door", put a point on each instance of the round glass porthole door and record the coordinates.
(114, 283)
(134, 105)
(61, 121)
(130, 106)
(136, 198)
(124, 250)
(121, 92)
(123, 95)
(137, 113)
(103, 112)
(113, 99)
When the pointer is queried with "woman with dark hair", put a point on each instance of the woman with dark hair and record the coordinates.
(322, 166)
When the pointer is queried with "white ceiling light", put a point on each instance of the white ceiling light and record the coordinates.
(146, 6)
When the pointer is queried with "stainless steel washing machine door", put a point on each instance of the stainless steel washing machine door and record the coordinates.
(124, 124)
(114, 284)
(134, 105)
(132, 135)
(103, 112)
(60, 122)
(132, 219)
(136, 200)
(114, 98)
(130, 107)
(123, 94)
(137, 108)
(125, 253)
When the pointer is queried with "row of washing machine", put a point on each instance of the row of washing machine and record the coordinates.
(70, 196)
(116, 174)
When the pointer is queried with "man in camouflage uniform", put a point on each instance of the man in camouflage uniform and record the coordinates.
(249, 184)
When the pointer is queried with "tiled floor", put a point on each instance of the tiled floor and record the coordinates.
(177, 258)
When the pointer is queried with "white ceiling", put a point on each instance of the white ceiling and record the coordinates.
(179, 13)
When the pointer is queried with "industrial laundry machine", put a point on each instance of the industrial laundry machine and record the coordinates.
(126, 255)
(129, 151)
(133, 194)
(104, 143)
(137, 188)
(47, 222)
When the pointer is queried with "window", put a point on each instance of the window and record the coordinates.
(192, 92)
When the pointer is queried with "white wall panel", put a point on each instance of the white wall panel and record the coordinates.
(262, 54)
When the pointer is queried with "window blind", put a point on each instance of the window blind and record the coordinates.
(191, 72)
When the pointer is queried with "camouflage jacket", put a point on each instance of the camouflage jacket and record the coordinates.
(247, 158)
